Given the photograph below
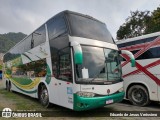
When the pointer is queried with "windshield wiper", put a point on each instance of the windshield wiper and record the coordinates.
(96, 75)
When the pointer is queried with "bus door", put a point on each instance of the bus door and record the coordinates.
(65, 84)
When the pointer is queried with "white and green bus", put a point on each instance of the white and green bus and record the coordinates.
(71, 60)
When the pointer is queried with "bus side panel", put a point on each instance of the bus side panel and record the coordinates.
(25, 83)
(158, 88)
(53, 91)
(159, 91)
(31, 92)
(65, 92)
(142, 78)
(24, 89)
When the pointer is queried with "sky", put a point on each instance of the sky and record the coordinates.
(27, 15)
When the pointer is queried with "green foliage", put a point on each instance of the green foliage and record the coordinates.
(5, 44)
(140, 23)
(135, 25)
(15, 37)
(155, 23)
(9, 40)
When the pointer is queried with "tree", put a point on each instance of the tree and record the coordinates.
(135, 25)
(8, 40)
(155, 21)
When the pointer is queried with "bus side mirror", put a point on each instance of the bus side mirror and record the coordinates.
(130, 55)
(78, 56)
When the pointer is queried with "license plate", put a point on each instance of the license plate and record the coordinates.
(109, 101)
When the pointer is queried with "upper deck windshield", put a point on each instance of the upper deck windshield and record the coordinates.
(87, 27)
(103, 66)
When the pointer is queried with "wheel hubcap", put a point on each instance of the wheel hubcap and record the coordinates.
(138, 95)
(44, 96)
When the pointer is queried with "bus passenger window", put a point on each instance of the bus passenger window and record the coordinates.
(40, 68)
(54, 62)
(65, 71)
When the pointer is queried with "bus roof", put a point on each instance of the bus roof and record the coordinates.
(65, 12)
(76, 13)
(138, 38)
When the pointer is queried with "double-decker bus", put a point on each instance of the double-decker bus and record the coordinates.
(142, 83)
(70, 61)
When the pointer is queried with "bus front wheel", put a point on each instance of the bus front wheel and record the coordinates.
(44, 96)
(138, 95)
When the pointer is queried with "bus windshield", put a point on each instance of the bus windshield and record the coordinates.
(103, 65)
(87, 27)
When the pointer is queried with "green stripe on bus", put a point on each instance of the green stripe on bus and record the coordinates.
(84, 103)
(48, 77)
(29, 92)
(22, 81)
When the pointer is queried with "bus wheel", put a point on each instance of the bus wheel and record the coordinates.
(8, 86)
(138, 95)
(44, 96)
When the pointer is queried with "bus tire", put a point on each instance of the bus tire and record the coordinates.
(44, 96)
(8, 86)
(138, 95)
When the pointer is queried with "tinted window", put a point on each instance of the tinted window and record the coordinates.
(61, 64)
(89, 28)
(27, 42)
(54, 59)
(55, 46)
(56, 26)
(39, 36)
(20, 48)
(93, 57)
(40, 68)
(65, 71)
(59, 43)
(136, 42)
(32, 69)
(149, 54)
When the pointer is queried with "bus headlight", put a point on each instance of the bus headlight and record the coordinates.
(85, 94)
(121, 89)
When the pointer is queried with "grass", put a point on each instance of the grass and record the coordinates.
(22, 102)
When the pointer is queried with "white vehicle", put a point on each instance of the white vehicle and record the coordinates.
(142, 83)
(69, 61)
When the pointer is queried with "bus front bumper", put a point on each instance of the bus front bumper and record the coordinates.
(83, 103)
